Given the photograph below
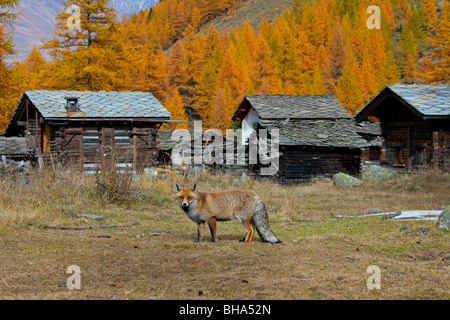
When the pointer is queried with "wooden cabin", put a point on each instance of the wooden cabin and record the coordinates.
(415, 126)
(167, 145)
(317, 135)
(89, 130)
(200, 153)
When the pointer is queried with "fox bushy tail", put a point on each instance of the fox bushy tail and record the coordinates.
(260, 220)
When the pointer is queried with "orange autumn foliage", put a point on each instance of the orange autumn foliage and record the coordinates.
(199, 71)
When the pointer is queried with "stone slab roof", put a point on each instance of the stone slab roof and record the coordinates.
(294, 107)
(318, 133)
(100, 104)
(368, 128)
(425, 101)
(165, 139)
(429, 100)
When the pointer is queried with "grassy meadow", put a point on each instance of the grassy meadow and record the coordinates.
(321, 257)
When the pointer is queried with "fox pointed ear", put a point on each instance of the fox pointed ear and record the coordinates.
(194, 187)
(178, 187)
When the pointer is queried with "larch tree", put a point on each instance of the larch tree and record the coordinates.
(193, 63)
(318, 85)
(8, 96)
(407, 54)
(147, 70)
(265, 30)
(387, 13)
(417, 26)
(177, 17)
(176, 68)
(35, 62)
(196, 17)
(286, 55)
(219, 115)
(430, 16)
(305, 50)
(96, 20)
(7, 11)
(358, 45)
(206, 84)
(33, 69)
(28, 75)
(348, 92)
(403, 11)
(324, 64)
(389, 72)
(366, 77)
(373, 56)
(264, 70)
(156, 74)
(159, 28)
(440, 56)
(425, 72)
(347, 7)
(230, 76)
(247, 39)
(337, 53)
(88, 49)
(174, 105)
(146, 61)
(138, 58)
(320, 24)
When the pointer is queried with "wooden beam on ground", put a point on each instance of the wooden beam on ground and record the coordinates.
(92, 227)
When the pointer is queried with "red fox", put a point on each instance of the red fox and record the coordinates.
(243, 206)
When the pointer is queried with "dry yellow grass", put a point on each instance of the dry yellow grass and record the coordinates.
(320, 258)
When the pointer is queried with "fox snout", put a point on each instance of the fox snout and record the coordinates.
(185, 204)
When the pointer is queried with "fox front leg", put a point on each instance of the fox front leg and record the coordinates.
(201, 227)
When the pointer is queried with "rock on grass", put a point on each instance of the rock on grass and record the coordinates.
(374, 172)
(444, 219)
(345, 181)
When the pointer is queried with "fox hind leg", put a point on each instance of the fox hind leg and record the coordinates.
(253, 232)
(250, 231)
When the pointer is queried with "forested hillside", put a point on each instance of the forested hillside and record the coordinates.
(198, 71)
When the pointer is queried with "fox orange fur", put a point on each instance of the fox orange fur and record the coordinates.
(243, 206)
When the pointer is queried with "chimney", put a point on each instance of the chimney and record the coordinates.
(72, 104)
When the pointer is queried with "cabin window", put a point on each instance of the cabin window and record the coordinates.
(91, 137)
(122, 136)
(91, 149)
(123, 149)
(398, 156)
(420, 156)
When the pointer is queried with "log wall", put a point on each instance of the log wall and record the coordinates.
(93, 148)
(416, 146)
(298, 164)
(441, 150)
